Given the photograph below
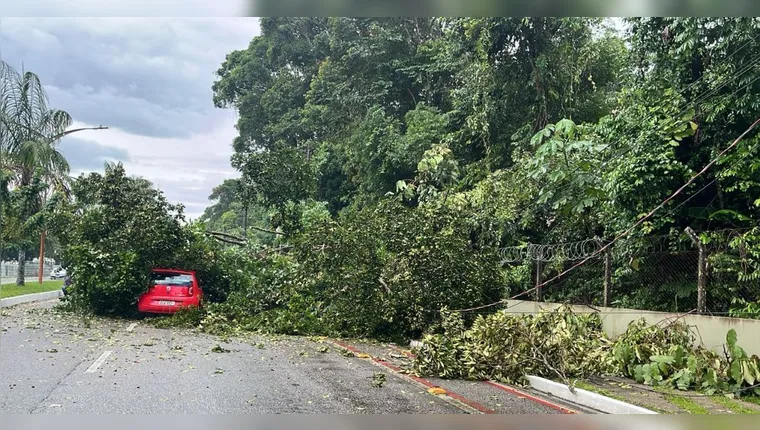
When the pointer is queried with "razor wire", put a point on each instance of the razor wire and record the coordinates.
(569, 251)
(579, 250)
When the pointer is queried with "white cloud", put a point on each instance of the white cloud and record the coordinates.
(133, 8)
(144, 75)
(186, 169)
(147, 79)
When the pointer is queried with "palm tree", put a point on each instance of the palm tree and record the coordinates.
(29, 133)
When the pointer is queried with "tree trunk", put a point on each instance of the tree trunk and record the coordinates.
(42, 257)
(21, 267)
(245, 223)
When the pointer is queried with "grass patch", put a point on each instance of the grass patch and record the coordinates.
(686, 404)
(12, 290)
(583, 385)
(733, 406)
(751, 399)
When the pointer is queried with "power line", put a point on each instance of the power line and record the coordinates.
(699, 99)
(755, 61)
(624, 233)
(648, 215)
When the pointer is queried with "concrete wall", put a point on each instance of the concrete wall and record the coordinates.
(31, 269)
(709, 331)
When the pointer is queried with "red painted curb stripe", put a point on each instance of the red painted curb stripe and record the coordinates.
(508, 389)
(402, 351)
(525, 395)
(347, 346)
(422, 381)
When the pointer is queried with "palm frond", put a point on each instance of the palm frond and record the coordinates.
(29, 129)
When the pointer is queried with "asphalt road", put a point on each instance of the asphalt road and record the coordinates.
(57, 363)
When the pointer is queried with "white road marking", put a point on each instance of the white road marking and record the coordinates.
(98, 362)
(131, 326)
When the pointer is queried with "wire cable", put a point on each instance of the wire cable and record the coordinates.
(624, 233)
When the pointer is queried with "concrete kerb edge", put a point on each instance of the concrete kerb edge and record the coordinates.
(29, 298)
(585, 398)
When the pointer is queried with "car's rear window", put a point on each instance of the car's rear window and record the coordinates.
(158, 278)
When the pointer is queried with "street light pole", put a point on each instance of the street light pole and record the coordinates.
(43, 235)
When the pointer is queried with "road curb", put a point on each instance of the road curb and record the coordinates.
(29, 298)
(585, 398)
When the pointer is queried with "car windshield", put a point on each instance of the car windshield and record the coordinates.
(159, 278)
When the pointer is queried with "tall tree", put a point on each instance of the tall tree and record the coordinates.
(30, 132)
(341, 109)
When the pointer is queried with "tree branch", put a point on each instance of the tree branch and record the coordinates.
(265, 230)
(221, 239)
(218, 233)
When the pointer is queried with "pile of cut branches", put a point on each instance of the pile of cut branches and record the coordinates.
(561, 344)
(506, 347)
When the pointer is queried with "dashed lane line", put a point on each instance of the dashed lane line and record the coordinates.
(94, 367)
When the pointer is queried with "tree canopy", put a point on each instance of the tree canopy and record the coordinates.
(540, 130)
(583, 127)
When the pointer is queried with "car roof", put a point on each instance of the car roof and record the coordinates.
(182, 272)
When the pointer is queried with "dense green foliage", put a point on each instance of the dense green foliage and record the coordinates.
(541, 130)
(385, 161)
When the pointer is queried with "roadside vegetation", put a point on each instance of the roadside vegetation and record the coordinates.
(566, 346)
(384, 162)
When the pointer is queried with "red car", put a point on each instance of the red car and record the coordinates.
(170, 290)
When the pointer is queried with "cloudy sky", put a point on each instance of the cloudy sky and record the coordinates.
(148, 80)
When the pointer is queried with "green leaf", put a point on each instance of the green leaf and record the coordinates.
(685, 379)
(736, 371)
(635, 263)
(667, 359)
(638, 373)
(728, 215)
(731, 339)
(747, 372)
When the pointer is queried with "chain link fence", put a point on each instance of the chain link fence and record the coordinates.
(673, 273)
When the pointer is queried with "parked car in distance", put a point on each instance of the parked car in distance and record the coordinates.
(170, 290)
(58, 273)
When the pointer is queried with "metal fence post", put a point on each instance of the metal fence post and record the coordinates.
(539, 289)
(607, 272)
(701, 271)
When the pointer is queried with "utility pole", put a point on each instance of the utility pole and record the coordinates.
(44, 232)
